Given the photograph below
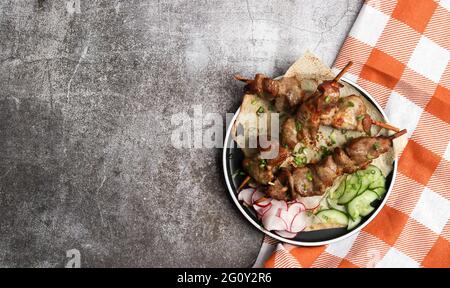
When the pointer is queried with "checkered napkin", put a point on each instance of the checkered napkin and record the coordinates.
(401, 53)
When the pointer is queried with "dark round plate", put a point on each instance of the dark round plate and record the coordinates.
(232, 158)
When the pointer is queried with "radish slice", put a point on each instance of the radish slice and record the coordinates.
(299, 222)
(261, 210)
(271, 221)
(280, 204)
(257, 195)
(296, 208)
(263, 202)
(286, 234)
(311, 202)
(246, 196)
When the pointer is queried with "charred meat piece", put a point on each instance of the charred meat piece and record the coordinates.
(261, 169)
(286, 91)
(364, 149)
(289, 132)
(283, 184)
(303, 181)
(257, 169)
(350, 114)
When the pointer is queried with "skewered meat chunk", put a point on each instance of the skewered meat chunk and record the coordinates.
(289, 133)
(302, 178)
(255, 168)
(349, 115)
(262, 170)
(314, 179)
(287, 91)
(365, 149)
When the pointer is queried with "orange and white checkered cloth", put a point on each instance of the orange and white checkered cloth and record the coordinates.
(401, 52)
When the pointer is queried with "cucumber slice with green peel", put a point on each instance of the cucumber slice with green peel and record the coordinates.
(353, 223)
(337, 193)
(332, 203)
(373, 171)
(365, 181)
(380, 191)
(360, 205)
(352, 185)
(333, 217)
(378, 182)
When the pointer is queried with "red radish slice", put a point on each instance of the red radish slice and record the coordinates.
(263, 202)
(262, 210)
(280, 204)
(296, 208)
(299, 222)
(257, 195)
(286, 234)
(311, 202)
(246, 196)
(271, 221)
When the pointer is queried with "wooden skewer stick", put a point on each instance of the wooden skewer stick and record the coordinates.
(343, 71)
(385, 125)
(244, 183)
(242, 79)
(398, 134)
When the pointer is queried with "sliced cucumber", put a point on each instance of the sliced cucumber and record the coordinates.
(333, 217)
(380, 191)
(332, 203)
(365, 181)
(378, 182)
(353, 223)
(337, 193)
(360, 206)
(373, 171)
(352, 185)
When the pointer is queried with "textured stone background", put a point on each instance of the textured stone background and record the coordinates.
(87, 90)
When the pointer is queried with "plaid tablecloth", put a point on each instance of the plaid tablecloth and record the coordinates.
(401, 53)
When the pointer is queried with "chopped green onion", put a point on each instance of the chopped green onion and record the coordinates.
(239, 173)
(299, 159)
(332, 138)
(298, 126)
(254, 102)
(376, 145)
(309, 176)
(343, 131)
(262, 163)
(327, 99)
(350, 104)
(260, 110)
(360, 117)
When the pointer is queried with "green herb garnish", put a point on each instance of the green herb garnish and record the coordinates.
(262, 163)
(238, 172)
(350, 104)
(298, 126)
(327, 99)
(325, 151)
(254, 101)
(309, 176)
(260, 110)
(376, 145)
(360, 117)
(299, 159)
(332, 138)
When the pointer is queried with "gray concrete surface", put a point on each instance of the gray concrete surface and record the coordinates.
(87, 90)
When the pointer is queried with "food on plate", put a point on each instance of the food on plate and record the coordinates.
(334, 150)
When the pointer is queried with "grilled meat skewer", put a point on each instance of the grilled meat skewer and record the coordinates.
(314, 179)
